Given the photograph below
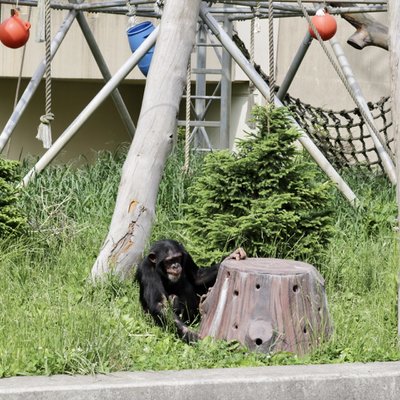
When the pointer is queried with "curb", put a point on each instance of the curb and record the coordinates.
(373, 381)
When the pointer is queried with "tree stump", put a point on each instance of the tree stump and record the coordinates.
(267, 304)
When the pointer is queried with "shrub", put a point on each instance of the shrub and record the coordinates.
(266, 197)
(12, 220)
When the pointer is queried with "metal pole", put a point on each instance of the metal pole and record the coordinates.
(351, 79)
(200, 93)
(91, 107)
(298, 58)
(305, 140)
(226, 90)
(34, 82)
(116, 95)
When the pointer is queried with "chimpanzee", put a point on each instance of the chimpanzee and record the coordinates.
(169, 274)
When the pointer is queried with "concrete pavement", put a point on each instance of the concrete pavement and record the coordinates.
(328, 382)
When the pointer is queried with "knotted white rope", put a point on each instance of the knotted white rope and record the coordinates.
(44, 129)
(159, 6)
(132, 10)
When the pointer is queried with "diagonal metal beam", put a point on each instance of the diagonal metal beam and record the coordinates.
(115, 95)
(35, 81)
(250, 71)
(107, 89)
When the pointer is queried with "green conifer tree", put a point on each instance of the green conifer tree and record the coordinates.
(266, 197)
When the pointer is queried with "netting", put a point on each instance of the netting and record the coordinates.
(342, 136)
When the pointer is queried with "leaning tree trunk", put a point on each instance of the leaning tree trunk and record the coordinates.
(141, 174)
(394, 47)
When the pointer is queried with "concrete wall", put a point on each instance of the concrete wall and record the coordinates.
(103, 130)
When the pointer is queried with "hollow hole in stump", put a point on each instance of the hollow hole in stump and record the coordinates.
(305, 330)
(228, 274)
(296, 288)
(258, 342)
(235, 326)
(236, 293)
(258, 286)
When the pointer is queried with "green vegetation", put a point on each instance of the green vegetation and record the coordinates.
(52, 320)
(12, 220)
(265, 197)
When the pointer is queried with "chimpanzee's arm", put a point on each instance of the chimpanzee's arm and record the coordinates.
(154, 300)
(153, 297)
(157, 307)
(205, 277)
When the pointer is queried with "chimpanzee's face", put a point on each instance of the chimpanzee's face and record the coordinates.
(172, 265)
(169, 263)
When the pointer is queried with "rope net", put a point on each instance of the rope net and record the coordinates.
(343, 136)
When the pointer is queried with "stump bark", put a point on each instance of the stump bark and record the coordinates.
(267, 304)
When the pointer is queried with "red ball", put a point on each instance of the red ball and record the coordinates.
(325, 24)
(14, 32)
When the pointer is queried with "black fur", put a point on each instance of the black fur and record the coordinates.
(157, 287)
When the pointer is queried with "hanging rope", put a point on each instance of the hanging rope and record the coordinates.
(187, 127)
(19, 80)
(44, 130)
(159, 6)
(250, 102)
(132, 10)
(271, 52)
(254, 28)
(252, 37)
(17, 90)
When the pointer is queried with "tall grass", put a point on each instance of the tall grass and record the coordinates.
(52, 320)
(361, 272)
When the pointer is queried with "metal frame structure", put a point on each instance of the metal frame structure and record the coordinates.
(213, 14)
(234, 9)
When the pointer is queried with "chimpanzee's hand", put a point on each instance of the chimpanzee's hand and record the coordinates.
(238, 254)
(190, 337)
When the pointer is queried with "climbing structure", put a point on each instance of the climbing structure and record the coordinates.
(217, 18)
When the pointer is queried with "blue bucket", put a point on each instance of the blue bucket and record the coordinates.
(136, 36)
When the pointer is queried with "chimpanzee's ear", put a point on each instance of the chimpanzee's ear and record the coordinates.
(152, 257)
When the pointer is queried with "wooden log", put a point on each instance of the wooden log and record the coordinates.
(267, 304)
(369, 31)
